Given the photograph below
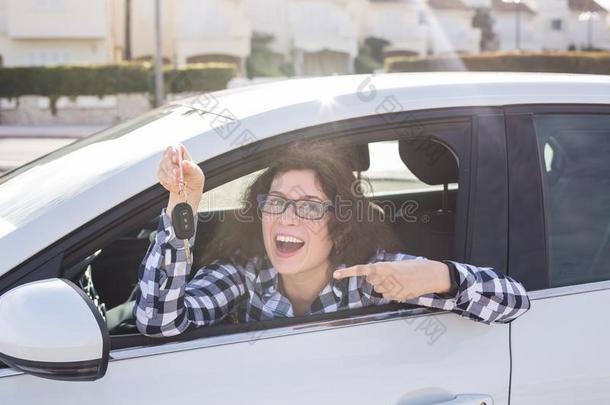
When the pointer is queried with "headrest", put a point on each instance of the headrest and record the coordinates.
(430, 161)
(574, 157)
(359, 157)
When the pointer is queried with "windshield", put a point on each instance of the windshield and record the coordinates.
(39, 186)
(110, 133)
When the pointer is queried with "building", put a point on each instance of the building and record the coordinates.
(552, 24)
(588, 25)
(301, 37)
(271, 18)
(193, 31)
(403, 23)
(211, 31)
(450, 27)
(315, 37)
(135, 25)
(53, 32)
(515, 26)
(324, 36)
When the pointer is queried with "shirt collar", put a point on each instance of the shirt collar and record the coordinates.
(338, 286)
(268, 277)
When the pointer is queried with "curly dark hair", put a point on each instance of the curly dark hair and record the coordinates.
(358, 231)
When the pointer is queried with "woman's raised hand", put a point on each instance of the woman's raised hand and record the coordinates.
(169, 176)
(402, 280)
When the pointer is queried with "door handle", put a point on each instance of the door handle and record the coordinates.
(469, 399)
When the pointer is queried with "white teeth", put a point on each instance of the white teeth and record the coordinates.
(285, 238)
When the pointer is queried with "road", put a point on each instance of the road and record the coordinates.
(15, 152)
(22, 144)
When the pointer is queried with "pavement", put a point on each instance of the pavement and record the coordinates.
(20, 144)
(48, 131)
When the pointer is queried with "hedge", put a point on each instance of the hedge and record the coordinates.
(75, 80)
(559, 62)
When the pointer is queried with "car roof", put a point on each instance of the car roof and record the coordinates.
(57, 195)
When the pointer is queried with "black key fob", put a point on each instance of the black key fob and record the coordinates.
(182, 221)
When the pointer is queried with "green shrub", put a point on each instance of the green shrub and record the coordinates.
(559, 62)
(75, 80)
(198, 77)
(262, 60)
(370, 55)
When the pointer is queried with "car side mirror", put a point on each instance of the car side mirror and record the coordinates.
(51, 329)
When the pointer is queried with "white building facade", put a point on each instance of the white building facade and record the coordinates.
(314, 37)
(53, 32)
(450, 27)
(211, 30)
(516, 26)
(402, 23)
(588, 25)
(547, 25)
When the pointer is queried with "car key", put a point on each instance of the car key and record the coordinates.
(182, 220)
(182, 217)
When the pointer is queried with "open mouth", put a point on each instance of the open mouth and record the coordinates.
(288, 245)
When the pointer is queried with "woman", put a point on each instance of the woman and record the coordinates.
(302, 247)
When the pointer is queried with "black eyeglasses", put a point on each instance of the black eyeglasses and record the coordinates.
(305, 209)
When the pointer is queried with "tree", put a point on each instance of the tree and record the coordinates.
(370, 55)
(484, 21)
(262, 61)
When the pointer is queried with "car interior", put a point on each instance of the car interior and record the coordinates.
(426, 228)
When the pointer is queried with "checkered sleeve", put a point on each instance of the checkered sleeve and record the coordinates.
(483, 294)
(167, 304)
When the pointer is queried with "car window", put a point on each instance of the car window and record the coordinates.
(386, 174)
(227, 196)
(414, 182)
(574, 151)
(423, 218)
(113, 132)
(51, 179)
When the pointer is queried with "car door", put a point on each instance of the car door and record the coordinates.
(389, 354)
(560, 249)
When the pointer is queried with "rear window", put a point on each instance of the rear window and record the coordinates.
(574, 152)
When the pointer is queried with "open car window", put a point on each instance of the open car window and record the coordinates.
(227, 196)
(422, 211)
(422, 215)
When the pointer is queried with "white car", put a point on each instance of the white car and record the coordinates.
(504, 170)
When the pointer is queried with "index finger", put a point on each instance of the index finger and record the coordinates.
(358, 270)
(185, 153)
(178, 150)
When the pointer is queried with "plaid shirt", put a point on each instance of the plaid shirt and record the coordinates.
(168, 304)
